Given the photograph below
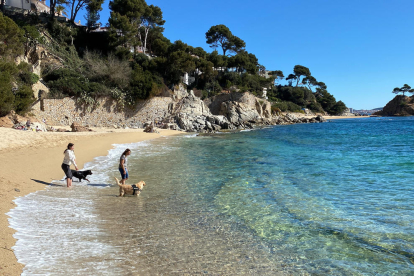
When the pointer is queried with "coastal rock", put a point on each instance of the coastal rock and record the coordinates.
(193, 106)
(237, 112)
(267, 110)
(399, 106)
(76, 127)
(179, 92)
(320, 119)
(214, 103)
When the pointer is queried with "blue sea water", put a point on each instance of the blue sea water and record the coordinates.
(307, 199)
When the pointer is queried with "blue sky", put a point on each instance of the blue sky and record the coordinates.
(360, 49)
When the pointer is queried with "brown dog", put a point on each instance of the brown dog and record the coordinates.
(130, 189)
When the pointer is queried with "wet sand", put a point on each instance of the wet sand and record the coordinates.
(30, 161)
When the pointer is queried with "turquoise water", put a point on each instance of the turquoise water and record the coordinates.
(309, 199)
(337, 194)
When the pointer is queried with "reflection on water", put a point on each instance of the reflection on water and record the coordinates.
(278, 201)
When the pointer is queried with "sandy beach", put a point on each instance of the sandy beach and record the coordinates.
(344, 117)
(30, 161)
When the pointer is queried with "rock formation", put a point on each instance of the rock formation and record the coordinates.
(399, 106)
(226, 112)
(79, 128)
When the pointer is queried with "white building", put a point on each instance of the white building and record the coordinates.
(21, 4)
(264, 95)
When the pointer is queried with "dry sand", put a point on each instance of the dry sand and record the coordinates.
(29, 161)
(344, 117)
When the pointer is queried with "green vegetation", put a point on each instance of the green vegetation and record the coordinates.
(405, 89)
(15, 80)
(134, 61)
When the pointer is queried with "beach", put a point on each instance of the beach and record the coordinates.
(30, 161)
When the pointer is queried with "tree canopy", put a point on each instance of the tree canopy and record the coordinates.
(11, 38)
(221, 36)
(404, 89)
(299, 71)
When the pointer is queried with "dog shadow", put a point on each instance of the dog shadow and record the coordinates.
(45, 183)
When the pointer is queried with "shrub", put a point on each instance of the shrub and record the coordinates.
(11, 37)
(15, 90)
(6, 94)
(23, 99)
(287, 106)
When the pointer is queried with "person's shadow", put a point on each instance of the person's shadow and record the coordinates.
(46, 183)
(100, 185)
(56, 185)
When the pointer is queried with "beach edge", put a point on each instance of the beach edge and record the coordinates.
(30, 167)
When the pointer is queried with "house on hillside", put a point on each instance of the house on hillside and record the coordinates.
(36, 6)
(20, 4)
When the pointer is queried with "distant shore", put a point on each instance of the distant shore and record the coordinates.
(344, 117)
(30, 161)
(329, 117)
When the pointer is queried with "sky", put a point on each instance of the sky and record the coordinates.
(361, 49)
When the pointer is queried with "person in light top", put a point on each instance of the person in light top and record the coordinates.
(67, 161)
(123, 166)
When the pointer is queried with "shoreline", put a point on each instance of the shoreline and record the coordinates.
(30, 161)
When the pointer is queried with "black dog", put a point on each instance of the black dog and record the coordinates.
(81, 174)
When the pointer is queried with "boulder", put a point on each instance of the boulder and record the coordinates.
(184, 123)
(180, 92)
(267, 110)
(193, 106)
(320, 119)
(76, 127)
(208, 125)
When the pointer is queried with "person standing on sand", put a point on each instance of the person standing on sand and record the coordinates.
(123, 166)
(67, 161)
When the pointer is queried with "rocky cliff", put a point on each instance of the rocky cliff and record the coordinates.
(226, 111)
(190, 113)
(399, 106)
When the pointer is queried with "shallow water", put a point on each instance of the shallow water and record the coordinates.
(319, 199)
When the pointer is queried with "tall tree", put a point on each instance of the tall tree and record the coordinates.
(221, 36)
(244, 61)
(218, 60)
(299, 71)
(76, 5)
(92, 17)
(277, 75)
(54, 6)
(61, 10)
(405, 89)
(151, 19)
(309, 81)
(125, 22)
(11, 38)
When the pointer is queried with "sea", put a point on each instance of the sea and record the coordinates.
(333, 198)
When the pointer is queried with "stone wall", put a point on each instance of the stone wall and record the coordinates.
(66, 111)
